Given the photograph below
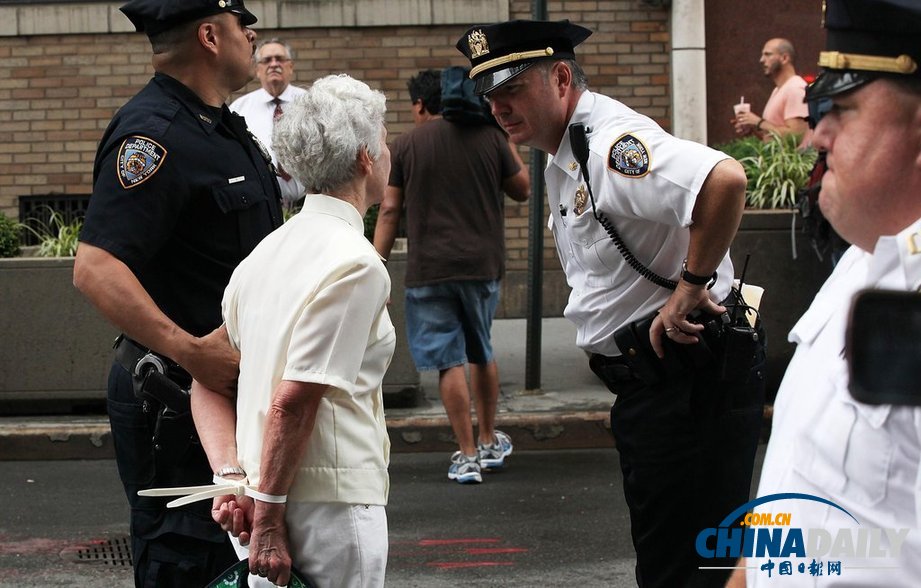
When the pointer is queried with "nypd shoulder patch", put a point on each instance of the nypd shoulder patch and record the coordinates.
(629, 157)
(139, 158)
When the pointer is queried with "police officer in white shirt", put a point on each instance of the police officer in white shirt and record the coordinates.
(866, 459)
(262, 107)
(686, 436)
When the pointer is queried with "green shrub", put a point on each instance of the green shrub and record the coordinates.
(371, 221)
(57, 238)
(9, 237)
(776, 170)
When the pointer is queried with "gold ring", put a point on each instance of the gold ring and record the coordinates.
(670, 329)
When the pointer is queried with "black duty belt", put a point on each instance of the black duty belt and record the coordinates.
(156, 378)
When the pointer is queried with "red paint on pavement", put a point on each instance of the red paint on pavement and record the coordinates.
(492, 550)
(468, 564)
(433, 542)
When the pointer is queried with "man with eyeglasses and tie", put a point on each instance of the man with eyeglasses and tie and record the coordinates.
(262, 107)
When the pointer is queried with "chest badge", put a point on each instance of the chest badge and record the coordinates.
(139, 158)
(579, 201)
(629, 157)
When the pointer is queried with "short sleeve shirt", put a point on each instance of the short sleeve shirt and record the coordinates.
(310, 305)
(645, 182)
(451, 176)
(181, 194)
(786, 102)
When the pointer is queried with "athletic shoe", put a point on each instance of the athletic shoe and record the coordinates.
(492, 457)
(465, 469)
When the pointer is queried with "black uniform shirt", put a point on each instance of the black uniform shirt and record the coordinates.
(181, 194)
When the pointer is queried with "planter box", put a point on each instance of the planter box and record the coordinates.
(56, 350)
(772, 237)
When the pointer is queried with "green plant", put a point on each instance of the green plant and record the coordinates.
(9, 237)
(371, 222)
(57, 238)
(776, 170)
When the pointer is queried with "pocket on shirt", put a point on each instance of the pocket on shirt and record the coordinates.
(847, 450)
(588, 240)
(238, 196)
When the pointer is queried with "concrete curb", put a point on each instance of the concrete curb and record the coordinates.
(91, 438)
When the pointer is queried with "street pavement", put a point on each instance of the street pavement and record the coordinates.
(551, 518)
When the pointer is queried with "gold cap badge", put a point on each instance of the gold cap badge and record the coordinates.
(476, 40)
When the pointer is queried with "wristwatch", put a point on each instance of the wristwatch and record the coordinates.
(229, 471)
(694, 278)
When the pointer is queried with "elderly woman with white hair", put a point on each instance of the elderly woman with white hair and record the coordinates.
(305, 435)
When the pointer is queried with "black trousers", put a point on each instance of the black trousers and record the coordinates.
(687, 449)
(170, 547)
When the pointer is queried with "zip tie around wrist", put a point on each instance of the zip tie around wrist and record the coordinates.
(221, 487)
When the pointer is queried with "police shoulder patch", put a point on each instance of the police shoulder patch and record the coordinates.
(629, 157)
(139, 158)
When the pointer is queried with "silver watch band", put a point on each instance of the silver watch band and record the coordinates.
(229, 470)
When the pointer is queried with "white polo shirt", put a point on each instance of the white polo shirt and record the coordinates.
(309, 305)
(864, 458)
(646, 182)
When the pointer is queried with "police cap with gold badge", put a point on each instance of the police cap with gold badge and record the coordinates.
(867, 39)
(499, 52)
(156, 16)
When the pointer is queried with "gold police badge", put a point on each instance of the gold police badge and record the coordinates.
(476, 40)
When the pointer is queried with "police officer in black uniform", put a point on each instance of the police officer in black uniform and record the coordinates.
(182, 193)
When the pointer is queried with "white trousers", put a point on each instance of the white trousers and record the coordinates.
(335, 545)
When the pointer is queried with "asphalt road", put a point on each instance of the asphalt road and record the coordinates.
(551, 518)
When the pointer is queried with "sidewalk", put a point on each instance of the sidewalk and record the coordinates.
(571, 409)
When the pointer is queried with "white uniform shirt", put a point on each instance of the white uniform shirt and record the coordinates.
(258, 108)
(863, 458)
(309, 305)
(648, 193)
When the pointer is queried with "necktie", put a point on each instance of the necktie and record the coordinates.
(275, 116)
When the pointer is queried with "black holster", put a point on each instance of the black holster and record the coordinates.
(727, 344)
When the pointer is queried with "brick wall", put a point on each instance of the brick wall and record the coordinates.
(58, 91)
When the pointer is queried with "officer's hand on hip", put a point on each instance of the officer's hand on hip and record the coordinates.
(672, 321)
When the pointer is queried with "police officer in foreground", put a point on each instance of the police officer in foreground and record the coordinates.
(181, 194)
(685, 428)
(862, 455)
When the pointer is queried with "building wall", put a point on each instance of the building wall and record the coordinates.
(66, 68)
(736, 33)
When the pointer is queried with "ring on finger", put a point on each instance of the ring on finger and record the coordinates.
(670, 329)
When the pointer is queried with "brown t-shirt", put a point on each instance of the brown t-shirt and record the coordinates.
(451, 178)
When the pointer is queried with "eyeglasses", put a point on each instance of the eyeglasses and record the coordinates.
(271, 58)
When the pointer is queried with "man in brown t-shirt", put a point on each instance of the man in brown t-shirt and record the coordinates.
(449, 179)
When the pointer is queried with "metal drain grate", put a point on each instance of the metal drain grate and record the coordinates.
(109, 552)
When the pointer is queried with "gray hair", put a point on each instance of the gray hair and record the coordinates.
(579, 79)
(321, 133)
(276, 41)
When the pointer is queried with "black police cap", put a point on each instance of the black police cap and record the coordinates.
(868, 39)
(156, 16)
(499, 52)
